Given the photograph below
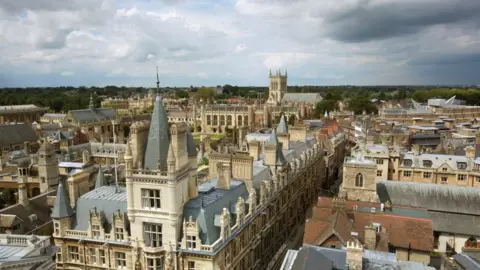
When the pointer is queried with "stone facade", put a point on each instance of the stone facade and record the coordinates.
(21, 114)
(359, 179)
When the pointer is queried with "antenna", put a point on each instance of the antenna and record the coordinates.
(158, 83)
(117, 189)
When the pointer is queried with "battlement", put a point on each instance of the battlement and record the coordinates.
(354, 246)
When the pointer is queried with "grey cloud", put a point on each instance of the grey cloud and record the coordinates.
(368, 21)
(447, 59)
(47, 5)
(57, 41)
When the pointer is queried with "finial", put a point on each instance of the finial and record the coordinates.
(158, 83)
(270, 72)
(90, 105)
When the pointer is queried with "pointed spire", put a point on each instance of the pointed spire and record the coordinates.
(61, 207)
(282, 126)
(270, 72)
(158, 138)
(91, 106)
(128, 151)
(286, 73)
(326, 114)
(158, 83)
(100, 178)
(272, 140)
(171, 154)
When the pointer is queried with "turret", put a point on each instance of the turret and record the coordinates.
(128, 161)
(62, 212)
(101, 181)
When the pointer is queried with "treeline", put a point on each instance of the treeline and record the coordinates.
(471, 96)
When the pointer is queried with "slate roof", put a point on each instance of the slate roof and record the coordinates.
(466, 262)
(93, 115)
(455, 223)
(282, 126)
(191, 147)
(105, 199)
(441, 198)
(311, 257)
(209, 203)
(16, 134)
(61, 207)
(312, 98)
(437, 160)
(158, 138)
(37, 205)
(101, 181)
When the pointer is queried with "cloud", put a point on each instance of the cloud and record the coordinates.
(66, 73)
(238, 41)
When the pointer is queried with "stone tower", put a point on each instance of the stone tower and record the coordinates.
(47, 166)
(277, 87)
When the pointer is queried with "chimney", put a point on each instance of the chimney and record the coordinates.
(254, 149)
(470, 152)
(354, 256)
(338, 203)
(224, 178)
(370, 236)
(416, 149)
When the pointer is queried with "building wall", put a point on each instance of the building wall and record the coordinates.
(413, 256)
(367, 192)
(457, 241)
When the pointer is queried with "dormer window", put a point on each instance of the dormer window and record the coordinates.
(407, 162)
(462, 165)
(427, 163)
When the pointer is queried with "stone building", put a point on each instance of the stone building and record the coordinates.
(131, 106)
(17, 137)
(244, 216)
(96, 123)
(436, 111)
(27, 114)
(218, 118)
(354, 257)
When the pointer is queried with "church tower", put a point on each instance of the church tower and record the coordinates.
(47, 166)
(277, 87)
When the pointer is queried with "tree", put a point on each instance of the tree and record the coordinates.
(325, 105)
(205, 94)
(362, 103)
(181, 94)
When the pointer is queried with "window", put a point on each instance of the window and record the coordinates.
(227, 257)
(461, 165)
(73, 254)
(191, 241)
(427, 175)
(427, 163)
(118, 233)
(477, 179)
(444, 179)
(120, 259)
(191, 265)
(444, 169)
(154, 264)
(407, 173)
(153, 234)
(151, 198)
(93, 256)
(392, 249)
(407, 162)
(57, 229)
(332, 246)
(379, 173)
(96, 231)
(103, 259)
(379, 161)
(462, 177)
(359, 180)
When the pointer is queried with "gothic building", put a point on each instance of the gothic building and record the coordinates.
(245, 216)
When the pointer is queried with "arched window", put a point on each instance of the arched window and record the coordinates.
(359, 180)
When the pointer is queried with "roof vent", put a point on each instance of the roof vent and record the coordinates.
(373, 210)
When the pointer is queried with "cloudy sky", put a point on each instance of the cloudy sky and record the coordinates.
(201, 42)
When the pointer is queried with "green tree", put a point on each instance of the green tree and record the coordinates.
(325, 105)
(205, 94)
(181, 94)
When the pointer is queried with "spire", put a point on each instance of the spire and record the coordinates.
(158, 138)
(128, 151)
(158, 83)
(91, 106)
(272, 140)
(282, 126)
(171, 154)
(100, 178)
(270, 72)
(61, 207)
(286, 73)
(326, 114)
(191, 147)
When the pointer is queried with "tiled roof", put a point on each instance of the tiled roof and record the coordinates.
(93, 115)
(16, 134)
(312, 98)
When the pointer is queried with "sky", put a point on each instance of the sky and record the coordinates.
(216, 42)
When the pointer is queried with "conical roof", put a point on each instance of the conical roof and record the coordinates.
(282, 126)
(101, 181)
(156, 152)
(272, 140)
(61, 207)
(191, 147)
